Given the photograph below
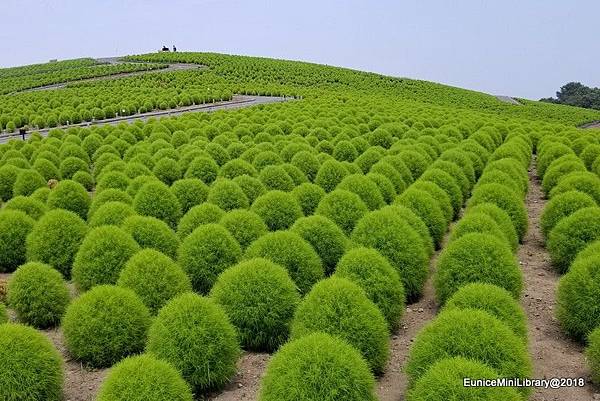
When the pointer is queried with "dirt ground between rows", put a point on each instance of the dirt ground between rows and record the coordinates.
(552, 352)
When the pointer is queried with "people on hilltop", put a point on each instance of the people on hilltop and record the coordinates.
(174, 49)
(165, 48)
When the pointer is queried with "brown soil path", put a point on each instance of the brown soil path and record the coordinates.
(553, 353)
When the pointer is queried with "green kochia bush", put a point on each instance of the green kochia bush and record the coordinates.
(38, 294)
(34, 208)
(190, 192)
(478, 222)
(501, 218)
(15, 226)
(278, 209)
(505, 199)
(339, 307)
(244, 225)
(325, 237)
(415, 223)
(586, 182)
(366, 189)
(150, 232)
(105, 325)
(444, 381)
(31, 368)
(111, 213)
(70, 195)
(260, 299)
(561, 206)
(55, 239)
(425, 206)
(395, 239)
(578, 310)
(3, 314)
(476, 258)
(308, 196)
(206, 252)
(380, 281)
(492, 299)
(154, 277)
(448, 184)
(102, 256)
(156, 200)
(317, 367)
(109, 195)
(27, 182)
(227, 195)
(342, 207)
(592, 354)
(194, 334)
(289, 250)
(8, 176)
(571, 235)
(472, 334)
(205, 213)
(144, 378)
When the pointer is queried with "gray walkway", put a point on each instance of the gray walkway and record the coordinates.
(508, 99)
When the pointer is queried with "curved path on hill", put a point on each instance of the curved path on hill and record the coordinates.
(508, 99)
(170, 67)
(593, 124)
(237, 102)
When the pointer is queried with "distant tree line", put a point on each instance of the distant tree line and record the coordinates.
(577, 94)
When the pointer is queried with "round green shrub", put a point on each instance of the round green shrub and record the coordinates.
(84, 178)
(194, 334)
(203, 168)
(3, 314)
(327, 239)
(395, 239)
(308, 196)
(167, 170)
(144, 378)
(308, 163)
(500, 177)
(592, 354)
(27, 182)
(507, 200)
(366, 189)
(494, 300)
(72, 165)
(31, 368)
(561, 206)
(501, 218)
(415, 223)
(386, 188)
(278, 209)
(330, 174)
(190, 192)
(150, 232)
(478, 222)
(32, 207)
(448, 184)
(439, 195)
(55, 239)
(571, 235)
(205, 213)
(380, 281)
(40, 194)
(341, 308)
(472, 334)
(105, 325)
(101, 256)
(109, 195)
(227, 195)
(444, 381)
(154, 277)
(38, 294)
(343, 207)
(251, 186)
(237, 167)
(291, 251)
(557, 171)
(585, 182)
(391, 173)
(276, 178)
(15, 226)
(47, 169)
(156, 200)
(427, 209)
(70, 195)
(260, 299)
(244, 225)
(111, 213)
(8, 176)
(112, 180)
(337, 372)
(456, 172)
(476, 258)
(205, 253)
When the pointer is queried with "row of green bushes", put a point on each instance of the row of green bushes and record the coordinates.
(568, 166)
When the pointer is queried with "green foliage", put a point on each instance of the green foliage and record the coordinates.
(492, 299)
(15, 226)
(101, 256)
(571, 234)
(380, 281)
(427, 209)
(260, 299)
(592, 354)
(144, 378)
(190, 192)
(472, 334)
(448, 184)
(317, 367)
(289, 250)
(476, 258)
(194, 335)
(244, 225)
(501, 218)
(227, 195)
(199, 215)
(70, 195)
(366, 189)
(330, 174)
(8, 177)
(478, 222)
(105, 325)
(343, 207)
(444, 381)
(31, 368)
(109, 195)
(395, 239)
(38, 294)
(154, 277)
(3, 314)
(27, 182)
(341, 308)
(585, 182)
(278, 209)
(556, 172)
(111, 213)
(205, 253)
(156, 200)
(561, 206)
(327, 239)
(55, 239)
(150, 232)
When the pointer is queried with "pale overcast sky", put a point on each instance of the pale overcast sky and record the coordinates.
(526, 48)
